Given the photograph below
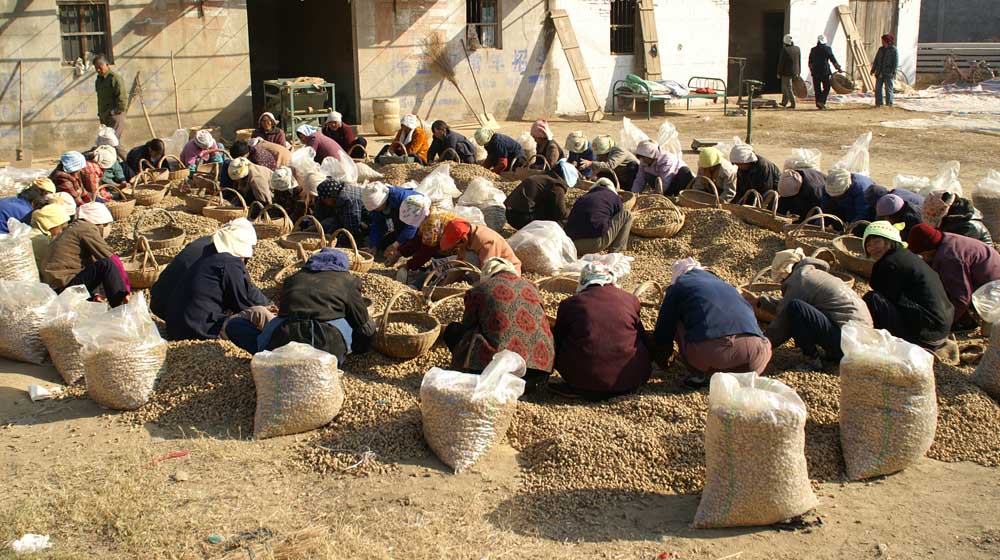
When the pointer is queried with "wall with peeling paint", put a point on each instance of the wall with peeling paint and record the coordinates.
(211, 59)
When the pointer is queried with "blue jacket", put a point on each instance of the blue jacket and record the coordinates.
(588, 154)
(591, 216)
(381, 220)
(820, 58)
(14, 207)
(852, 206)
(215, 287)
(707, 306)
(502, 146)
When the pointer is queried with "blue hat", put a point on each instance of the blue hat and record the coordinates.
(72, 162)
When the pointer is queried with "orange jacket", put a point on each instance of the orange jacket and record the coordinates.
(419, 144)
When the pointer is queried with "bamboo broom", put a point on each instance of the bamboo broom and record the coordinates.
(436, 55)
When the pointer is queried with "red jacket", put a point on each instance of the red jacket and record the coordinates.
(964, 264)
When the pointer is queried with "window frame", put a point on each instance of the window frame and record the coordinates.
(616, 28)
(81, 37)
(474, 30)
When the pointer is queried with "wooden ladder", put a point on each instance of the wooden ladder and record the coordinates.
(856, 47)
(650, 41)
(570, 46)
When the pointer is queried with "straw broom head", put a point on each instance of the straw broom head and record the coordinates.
(436, 55)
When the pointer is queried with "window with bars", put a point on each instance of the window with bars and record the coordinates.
(85, 30)
(623, 14)
(483, 23)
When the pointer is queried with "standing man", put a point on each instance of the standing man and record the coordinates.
(789, 67)
(884, 69)
(111, 95)
(820, 58)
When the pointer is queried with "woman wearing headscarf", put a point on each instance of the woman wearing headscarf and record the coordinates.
(152, 151)
(267, 128)
(800, 190)
(387, 231)
(714, 327)
(722, 173)
(450, 145)
(340, 205)
(410, 140)
(545, 145)
(323, 145)
(844, 196)
(539, 197)
(660, 170)
(897, 206)
(907, 297)
(286, 193)
(28, 200)
(343, 134)
(322, 305)
(106, 166)
(100, 161)
(268, 154)
(106, 136)
(80, 255)
(502, 312)
(964, 264)
(70, 177)
(201, 149)
(612, 162)
(599, 221)
(46, 223)
(755, 172)
(430, 221)
(602, 349)
(813, 307)
(579, 150)
(461, 238)
(213, 300)
(503, 153)
(252, 181)
(884, 69)
(951, 213)
(256, 155)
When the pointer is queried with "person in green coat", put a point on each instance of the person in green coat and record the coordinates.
(111, 95)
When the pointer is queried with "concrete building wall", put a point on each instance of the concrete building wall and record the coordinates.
(211, 60)
(960, 21)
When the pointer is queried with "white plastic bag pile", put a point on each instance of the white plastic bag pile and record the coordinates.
(298, 389)
(341, 168)
(440, 187)
(17, 257)
(667, 137)
(123, 354)
(804, 158)
(986, 300)
(65, 351)
(488, 199)
(888, 405)
(857, 159)
(620, 265)
(755, 461)
(543, 247)
(945, 180)
(13, 180)
(986, 198)
(24, 308)
(465, 415)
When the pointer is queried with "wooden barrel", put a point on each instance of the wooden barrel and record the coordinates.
(386, 116)
(244, 134)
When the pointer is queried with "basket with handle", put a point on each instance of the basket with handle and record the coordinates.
(646, 286)
(361, 262)
(284, 273)
(390, 158)
(850, 251)
(760, 286)
(766, 215)
(268, 227)
(207, 170)
(143, 268)
(629, 199)
(649, 201)
(149, 191)
(223, 212)
(809, 236)
(669, 229)
(178, 172)
(799, 87)
(406, 346)
(525, 171)
(311, 241)
(197, 199)
(558, 284)
(122, 208)
(435, 286)
(154, 174)
(167, 236)
(842, 83)
(750, 199)
(363, 158)
(695, 199)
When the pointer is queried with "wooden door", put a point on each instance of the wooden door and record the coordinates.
(874, 18)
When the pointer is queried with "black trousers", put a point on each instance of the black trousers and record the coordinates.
(821, 85)
(106, 274)
(533, 378)
(518, 219)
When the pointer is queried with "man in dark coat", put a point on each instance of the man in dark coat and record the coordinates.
(801, 190)
(503, 153)
(539, 197)
(450, 145)
(820, 58)
(598, 221)
(789, 68)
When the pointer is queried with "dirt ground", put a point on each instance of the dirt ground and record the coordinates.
(69, 469)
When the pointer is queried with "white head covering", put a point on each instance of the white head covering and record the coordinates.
(236, 238)
(605, 183)
(306, 130)
(410, 121)
(595, 273)
(374, 195)
(838, 181)
(414, 210)
(682, 267)
(204, 139)
(787, 40)
(105, 156)
(496, 265)
(742, 153)
(269, 115)
(254, 141)
(484, 135)
(821, 39)
(239, 168)
(106, 137)
(784, 262)
(283, 180)
(334, 117)
(96, 213)
(647, 148)
(576, 142)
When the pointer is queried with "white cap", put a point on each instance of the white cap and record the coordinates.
(238, 238)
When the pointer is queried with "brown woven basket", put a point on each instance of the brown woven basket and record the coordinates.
(149, 191)
(757, 287)
(800, 235)
(153, 173)
(208, 170)
(166, 236)
(850, 251)
(406, 346)
(143, 268)
(690, 198)
(120, 209)
(650, 201)
(766, 216)
(268, 227)
(222, 212)
(435, 288)
(750, 199)
(629, 199)
(525, 171)
(645, 287)
(178, 172)
(309, 240)
(842, 84)
(244, 134)
(559, 284)
(661, 232)
(361, 262)
(799, 88)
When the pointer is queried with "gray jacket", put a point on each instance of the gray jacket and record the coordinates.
(886, 62)
(811, 282)
(616, 158)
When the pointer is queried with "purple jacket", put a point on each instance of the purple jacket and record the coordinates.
(324, 145)
(591, 216)
(964, 264)
(665, 166)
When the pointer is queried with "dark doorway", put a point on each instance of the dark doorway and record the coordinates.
(774, 32)
(279, 50)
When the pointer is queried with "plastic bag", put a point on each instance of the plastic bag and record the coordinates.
(669, 139)
(17, 257)
(947, 178)
(440, 187)
(888, 405)
(470, 214)
(726, 148)
(465, 415)
(755, 461)
(804, 158)
(57, 332)
(528, 144)
(620, 265)
(123, 354)
(481, 193)
(986, 301)
(24, 308)
(341, 168)
(630, 136)
(304, 160)
(174, 144)
(543, 247)
(366, 173)
(298, 389)
(857, 160)
(912, 183)
(13, 179)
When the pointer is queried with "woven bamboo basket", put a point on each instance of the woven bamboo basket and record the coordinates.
(123, 208)
(808, 235)
(646, 286)
(842, 84)
(758, 287)
(750, 199)
(310, 241)
(799, 88)
(525, 171)
(162, 237)
(392, 158)
(222, 211)
(363, 158)
(154, 173)
(209, 170)
(435, 287)
(143, 268)
(663, 231)
(690, 198)
(361, 262)
(628, 199)
(244, 134)
(149, 191)
(650, 201)
(178, 171)
(850, 251)
(558, 284)
(766, 216)
(268, 227)
(406, 346)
